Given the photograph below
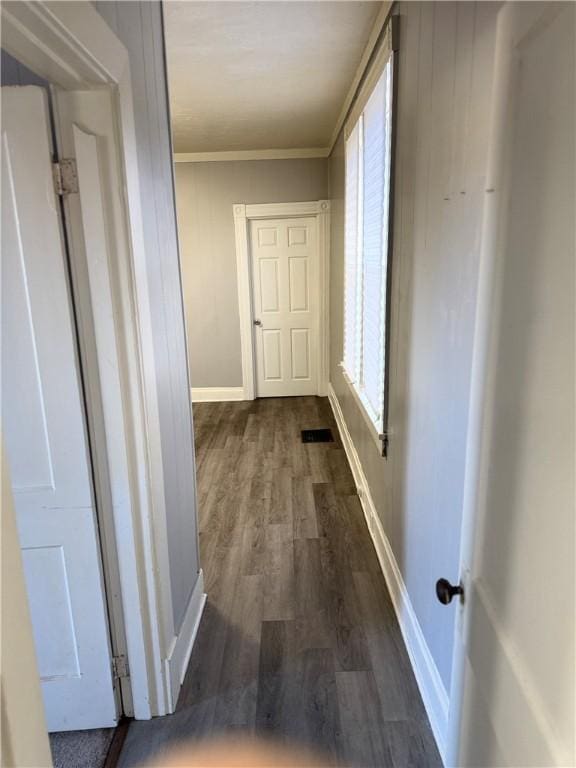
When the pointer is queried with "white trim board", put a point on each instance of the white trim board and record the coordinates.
(251, 154)
(242, 214)
(428, 678)
(216, 394)
(183, 643)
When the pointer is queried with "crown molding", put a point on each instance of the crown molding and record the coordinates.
(251, 154)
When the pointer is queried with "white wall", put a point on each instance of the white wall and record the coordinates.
(24, 736)
(205, 194)
(139, 27)
(445, 70)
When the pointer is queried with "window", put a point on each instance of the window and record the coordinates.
(367, 243)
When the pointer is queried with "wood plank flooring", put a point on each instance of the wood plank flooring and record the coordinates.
(299, 640)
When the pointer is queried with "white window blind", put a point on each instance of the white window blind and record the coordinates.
(351, 244)
(375, 246)
(367, 211)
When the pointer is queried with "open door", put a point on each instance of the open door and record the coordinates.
(512, 698)
(43, 422)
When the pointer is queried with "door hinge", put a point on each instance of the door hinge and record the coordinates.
(120, 667)
(65, 177)
(385, 440)
(395, 31)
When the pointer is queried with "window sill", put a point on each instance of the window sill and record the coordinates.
(372, 429)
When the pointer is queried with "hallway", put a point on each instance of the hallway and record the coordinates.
(298, 639)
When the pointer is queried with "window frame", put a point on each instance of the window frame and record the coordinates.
(387, 52)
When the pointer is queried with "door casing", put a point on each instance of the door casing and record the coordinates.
(320, 209)
(70, 46)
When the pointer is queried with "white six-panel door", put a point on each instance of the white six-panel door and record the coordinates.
(44, 429)
(285, 278)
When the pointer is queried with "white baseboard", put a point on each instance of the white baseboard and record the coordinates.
(182, 644)
(428, 678)
(216, 394)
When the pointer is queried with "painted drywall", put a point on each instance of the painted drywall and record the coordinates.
(24, 736)
(139, 27)
(205, 195)
(445, 71)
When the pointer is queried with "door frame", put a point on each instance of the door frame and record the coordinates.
(318, 209)
(71, 46)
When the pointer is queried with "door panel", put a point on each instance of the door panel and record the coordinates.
(269, 288)
(48, 584)
(272, 354)
(299, 293)
(286, 302)
(300, 353)
(44, 428)
(32, 465)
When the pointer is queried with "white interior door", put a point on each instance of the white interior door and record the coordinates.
(44, 428)
(513, 690)
(285, 278)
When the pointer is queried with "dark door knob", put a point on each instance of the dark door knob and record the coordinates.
(446, 591)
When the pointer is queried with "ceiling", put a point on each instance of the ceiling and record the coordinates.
(261, 75)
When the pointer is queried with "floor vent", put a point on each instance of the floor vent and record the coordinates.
(317, 436)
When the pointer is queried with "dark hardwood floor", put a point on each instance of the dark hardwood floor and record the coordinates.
(299, 640)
